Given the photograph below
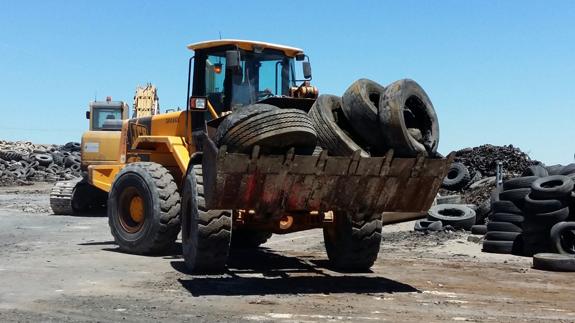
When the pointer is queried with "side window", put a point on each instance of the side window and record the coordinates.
(215, 75)
(101, 115)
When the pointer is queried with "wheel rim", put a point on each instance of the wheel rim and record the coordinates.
(132, 210)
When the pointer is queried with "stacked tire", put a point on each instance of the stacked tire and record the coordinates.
(504, 230)
(372, 119)
(546, 205)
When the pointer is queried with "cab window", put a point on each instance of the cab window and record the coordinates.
(103, 115)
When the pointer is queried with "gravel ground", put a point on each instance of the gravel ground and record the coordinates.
(67, 269)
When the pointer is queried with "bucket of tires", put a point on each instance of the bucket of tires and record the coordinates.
(372, 119)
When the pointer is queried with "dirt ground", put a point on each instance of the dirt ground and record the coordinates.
(61, 268)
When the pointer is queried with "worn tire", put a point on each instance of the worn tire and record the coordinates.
(554, 262)
(554, 169)
(327, 116)
(406, 110)
(563, 237)
(352, 242)
(517, 196)
(457, 177)
(552, 187)
(360, 104)
(479, 229)
(535, 170)
(9, 155)
(458, 216)
(519, 182)
(503, 247)
(503, 226)
(555, 216)
(274, 131)
(240, 115)
(508, 217)
(158, 228)
(426, 225)
(44, 159)
(502, 236)
(247, 238)
(568, 169)
(505, 207)
(534, 206)
(206, 234)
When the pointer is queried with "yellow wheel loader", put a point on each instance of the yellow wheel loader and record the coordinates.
(167, 172)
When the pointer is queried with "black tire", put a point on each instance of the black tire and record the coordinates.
(352, 242)
(8, 155)
(274, 131)
(519, 182)
(72, 160)
(554, 262)
(327, 116)
(535, 170)
(458, 216)
(206, 234)
(517, 196)
(503, 227)
(152, 226)
(568, 169)
(507, 217)
(552, 187)
(72, 146)
(505, 207)
(44, 159)
(502, 236)
(425, 225)
(533, 206)
(479, 229)
(555, 216)
(457, 177)
(238, 116)
(554, 169)
(503, 247)
(360, 104)
(405, 110)
(563, 237)
(247, 239)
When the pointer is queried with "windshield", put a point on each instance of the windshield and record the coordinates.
(102, 115)
(261, 75)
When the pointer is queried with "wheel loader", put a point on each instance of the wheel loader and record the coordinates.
(168, 173)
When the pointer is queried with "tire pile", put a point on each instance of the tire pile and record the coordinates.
(369, 119)
(528, 214)
(22, 163)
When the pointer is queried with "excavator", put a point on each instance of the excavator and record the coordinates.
(164, 172)
(100, 146)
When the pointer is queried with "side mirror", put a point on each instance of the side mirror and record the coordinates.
(233, 58)
(88, 115)
(299, 57)
(306, 70)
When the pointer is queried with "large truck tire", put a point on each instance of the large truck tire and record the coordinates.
(274, 131)
(457, 177)
(360, 105)
(247, 238)
(327, 116)
(206, 234)
(352, 243)
(408, 120)
(240, 115)
(144, 209)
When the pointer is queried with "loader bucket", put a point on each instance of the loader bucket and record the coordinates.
(274, 184)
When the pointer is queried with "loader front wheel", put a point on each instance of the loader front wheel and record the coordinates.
(352, 242)
(144, 209)
(206, 234)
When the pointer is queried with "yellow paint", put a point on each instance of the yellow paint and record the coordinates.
(98, 146)
(102, 176)
(137, 209)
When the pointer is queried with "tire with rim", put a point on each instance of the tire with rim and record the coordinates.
(144, 209)
(408, 120)
(457, 177)
(458, 216)
(327, 116)
(247, 238)
(360, 104)
(274, 131)
(352, 242)
(563, 237)
(206, 234)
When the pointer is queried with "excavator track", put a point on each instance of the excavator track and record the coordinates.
(61, 197)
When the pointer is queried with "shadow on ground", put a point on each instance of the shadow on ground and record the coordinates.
(263, 272)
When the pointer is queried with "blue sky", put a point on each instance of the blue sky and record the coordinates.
(499, 72)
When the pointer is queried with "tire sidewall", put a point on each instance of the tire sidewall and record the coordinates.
(190, 217)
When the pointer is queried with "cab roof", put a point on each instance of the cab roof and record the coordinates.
(245, 45)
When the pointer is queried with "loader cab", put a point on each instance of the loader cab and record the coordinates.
(232, 74)
(107, 115)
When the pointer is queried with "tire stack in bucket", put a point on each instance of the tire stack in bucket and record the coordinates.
(23, 162)
(534, 216)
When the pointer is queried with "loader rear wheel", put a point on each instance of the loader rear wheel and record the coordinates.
(352, 243)
(206, 234)
(144, 209)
